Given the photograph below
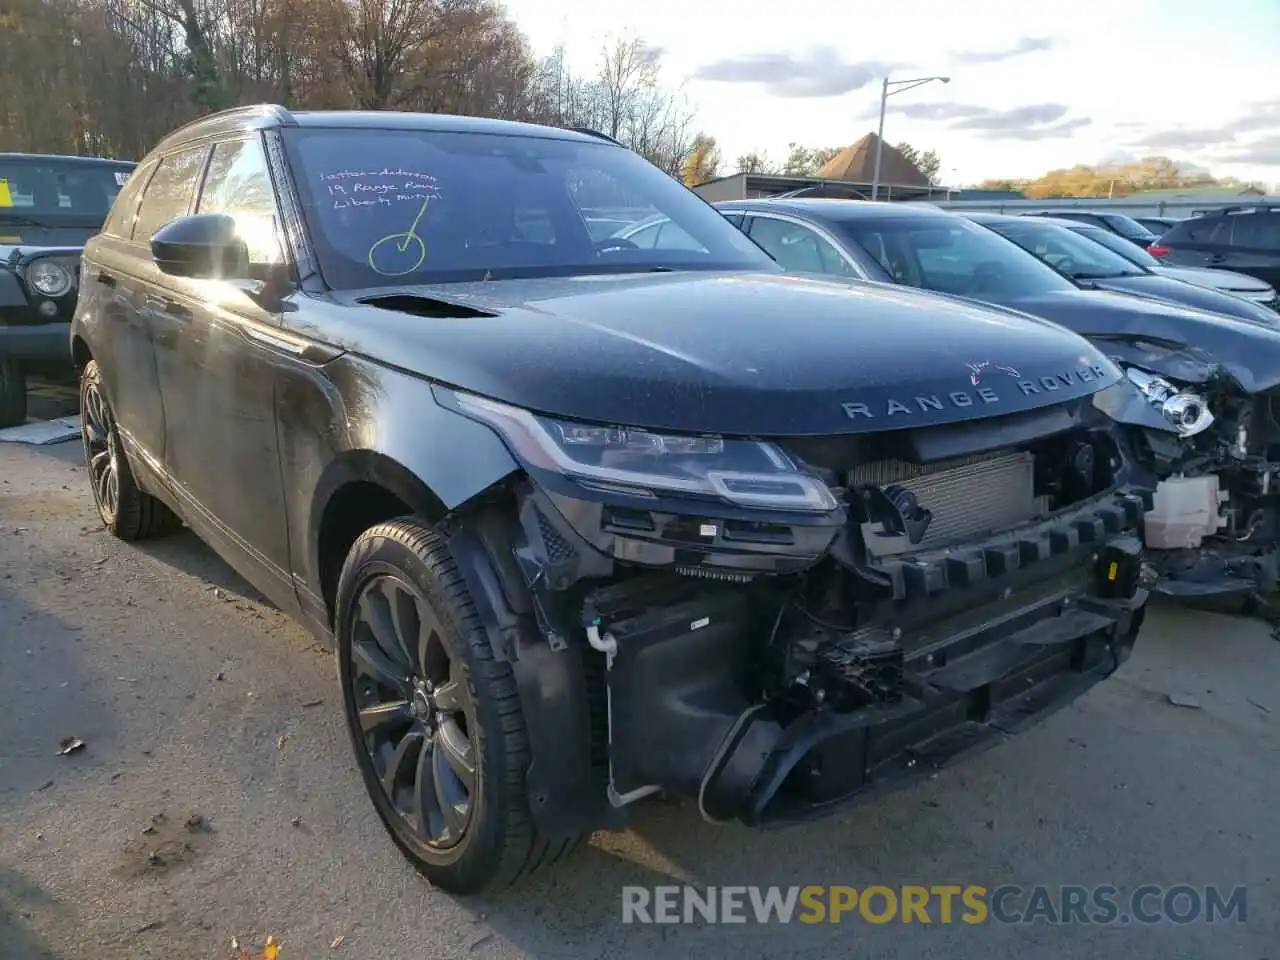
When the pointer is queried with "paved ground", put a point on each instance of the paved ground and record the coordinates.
(194, 698)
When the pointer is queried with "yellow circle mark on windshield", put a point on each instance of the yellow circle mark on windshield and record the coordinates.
(403, 242)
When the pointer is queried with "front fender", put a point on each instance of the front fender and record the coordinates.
(361, 421)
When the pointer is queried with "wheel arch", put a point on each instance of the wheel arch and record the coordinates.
(81, 355)
(359, 489)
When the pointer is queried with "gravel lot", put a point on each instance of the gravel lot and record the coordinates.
(194, 698)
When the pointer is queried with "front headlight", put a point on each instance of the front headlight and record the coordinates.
(1188, 412)
(644, 463)
(49, 278)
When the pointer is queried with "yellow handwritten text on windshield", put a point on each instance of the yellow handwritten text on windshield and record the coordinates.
(381, 250)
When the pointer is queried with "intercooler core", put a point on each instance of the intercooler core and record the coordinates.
(968, 496)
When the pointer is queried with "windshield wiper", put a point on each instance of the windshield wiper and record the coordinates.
(1103, 276)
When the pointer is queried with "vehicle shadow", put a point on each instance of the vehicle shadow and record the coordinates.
(187, 553)
(20, 902)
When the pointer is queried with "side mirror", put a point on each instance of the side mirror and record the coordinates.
(206, 246)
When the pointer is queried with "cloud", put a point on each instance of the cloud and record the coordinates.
(1024, 46)
(1263, 116)
(1262, 153)
(939, 112)
(1186, 139)
(1034, 121)
(1004, 120)
(820, 72)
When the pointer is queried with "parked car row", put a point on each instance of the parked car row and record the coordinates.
(1184, 346)
(771, 506)
(49, 207)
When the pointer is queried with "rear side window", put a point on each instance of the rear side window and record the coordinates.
(170, 192)
(1126, 226)
(1260, 231)
(1200, 230)
(120, 219)
(798, 248)
(239, 184)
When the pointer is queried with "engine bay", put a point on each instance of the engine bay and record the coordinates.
(1214, 521)
(712, 646)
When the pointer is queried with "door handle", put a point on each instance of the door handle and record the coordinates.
(169, 307)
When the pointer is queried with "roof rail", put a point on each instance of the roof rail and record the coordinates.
(826, 191)
(264, 110)
(597, 134)
(1250, 208)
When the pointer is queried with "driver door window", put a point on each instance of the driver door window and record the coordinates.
(239, 185)
(797, 248)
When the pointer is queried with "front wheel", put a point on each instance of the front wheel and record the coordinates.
(434, 719)
(126, 510)
(13, 393)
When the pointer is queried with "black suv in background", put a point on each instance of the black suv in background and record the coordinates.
(1243, 239)
(49, 207)
(1117, 223)
(1158, 225)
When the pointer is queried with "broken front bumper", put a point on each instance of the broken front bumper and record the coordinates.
(1011, 674)
(995, 636)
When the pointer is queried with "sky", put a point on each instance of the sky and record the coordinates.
(1034, 86)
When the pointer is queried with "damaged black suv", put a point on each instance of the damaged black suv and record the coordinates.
(588, 521)
(49, 207)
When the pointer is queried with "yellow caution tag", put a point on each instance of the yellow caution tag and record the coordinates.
(1112, 571)
(6, 198)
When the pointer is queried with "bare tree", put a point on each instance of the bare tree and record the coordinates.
(111, 77)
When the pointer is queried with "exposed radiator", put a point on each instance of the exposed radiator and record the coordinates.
(968, 497)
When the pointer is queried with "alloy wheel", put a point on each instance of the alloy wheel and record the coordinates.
(101, 451)
(414, 711)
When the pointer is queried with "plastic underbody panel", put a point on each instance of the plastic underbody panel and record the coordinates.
(981, 640)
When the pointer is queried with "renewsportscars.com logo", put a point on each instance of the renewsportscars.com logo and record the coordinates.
(940, 903)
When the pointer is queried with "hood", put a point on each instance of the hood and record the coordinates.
(731, 353)
(19, 240)
(1190, 295)
(1135, 327)
(1218, 279)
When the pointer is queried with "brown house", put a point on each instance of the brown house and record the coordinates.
(856, 163)
(853, 168)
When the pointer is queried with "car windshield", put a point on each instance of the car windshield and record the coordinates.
(1128, 227)
(406, 206)
(955, 256)
(50, 191)
(1117, 244)
(1067, 251)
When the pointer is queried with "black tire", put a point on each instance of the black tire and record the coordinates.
(400, 577)
(126, 510)
(13, 393)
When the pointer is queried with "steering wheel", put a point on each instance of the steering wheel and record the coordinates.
(984, 275)
(612, 243)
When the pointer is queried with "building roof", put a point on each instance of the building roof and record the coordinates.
(857, 163)
(1199, 192)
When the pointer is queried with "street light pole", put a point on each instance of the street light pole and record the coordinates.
(885, 93)
(875, 176)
